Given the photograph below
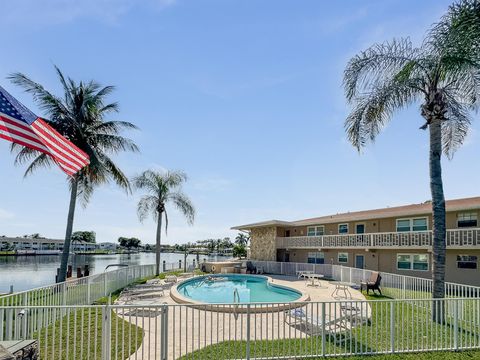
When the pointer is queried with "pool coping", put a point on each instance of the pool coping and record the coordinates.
(241, 307)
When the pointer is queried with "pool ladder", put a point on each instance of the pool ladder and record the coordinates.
(236, 301)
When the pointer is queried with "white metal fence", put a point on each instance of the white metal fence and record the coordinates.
(86, 290)
(310, 329)
(393, 285)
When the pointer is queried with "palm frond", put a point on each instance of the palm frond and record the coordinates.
(113, 127)
(455, 126)
(379, 62)
(184, 205)
(146, 207)
(373, 110)
(41, 161)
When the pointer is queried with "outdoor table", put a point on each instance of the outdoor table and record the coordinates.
(314, 279)
(341, 286)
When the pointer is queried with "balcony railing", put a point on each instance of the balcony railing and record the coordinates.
(414, 239)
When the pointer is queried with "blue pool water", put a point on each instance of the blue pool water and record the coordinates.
(251, 288)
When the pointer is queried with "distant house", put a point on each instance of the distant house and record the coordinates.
(107, 246)
(30, 244)
(82, 246)
(394, 239)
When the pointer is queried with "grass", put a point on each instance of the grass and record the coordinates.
(413, 330)
(77, 335)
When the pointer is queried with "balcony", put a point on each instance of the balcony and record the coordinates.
(456, 238)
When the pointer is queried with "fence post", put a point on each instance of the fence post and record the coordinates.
(323, 329)
(281, 268)
(455, 323)
(392, 326)
(247, 350)
(106, 331)
(8, 324)
(105, 291)
(350, 275)
(404, 288)
(64, 293)
(89, 292)
(164, 332)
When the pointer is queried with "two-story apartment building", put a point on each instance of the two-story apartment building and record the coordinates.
(394, 239)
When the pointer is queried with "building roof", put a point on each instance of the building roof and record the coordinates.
(472, 203)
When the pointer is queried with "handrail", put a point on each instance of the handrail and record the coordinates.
(454, 237)
(236, 301)
(236, 296)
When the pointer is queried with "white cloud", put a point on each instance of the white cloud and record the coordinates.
(65, 11)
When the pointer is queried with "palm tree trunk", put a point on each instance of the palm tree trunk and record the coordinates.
(158, 242)
(438, 211)
(62, 275)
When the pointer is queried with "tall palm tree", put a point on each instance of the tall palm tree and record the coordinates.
(443, 75)
(79, 115)
(162, 188)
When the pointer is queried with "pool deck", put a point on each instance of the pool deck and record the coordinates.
(191, 329)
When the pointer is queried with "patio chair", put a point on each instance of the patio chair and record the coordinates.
(373, 283)
(260, 270)
(250, 268)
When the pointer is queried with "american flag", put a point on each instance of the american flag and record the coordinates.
(21, 126)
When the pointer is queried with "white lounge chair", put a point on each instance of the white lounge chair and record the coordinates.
(313, 324)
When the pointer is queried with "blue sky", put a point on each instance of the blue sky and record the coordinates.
(245, 96)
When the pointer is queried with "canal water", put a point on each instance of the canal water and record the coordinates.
(28, 272)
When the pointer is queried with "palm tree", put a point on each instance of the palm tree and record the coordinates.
(78, 114)
(162, 188)
(242, 239)
(443, 74)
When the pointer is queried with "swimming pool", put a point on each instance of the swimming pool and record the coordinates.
(217, 289)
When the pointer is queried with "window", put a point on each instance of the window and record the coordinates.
(343, 257)
(466, 262)
(412, 262)
(316, 230)
(420, 224)
(420, 262)
(403, 225)
(467, 220)
(343, 228)
(316, 257)
(417, 224)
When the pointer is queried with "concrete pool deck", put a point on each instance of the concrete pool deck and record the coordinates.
(191, 329)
